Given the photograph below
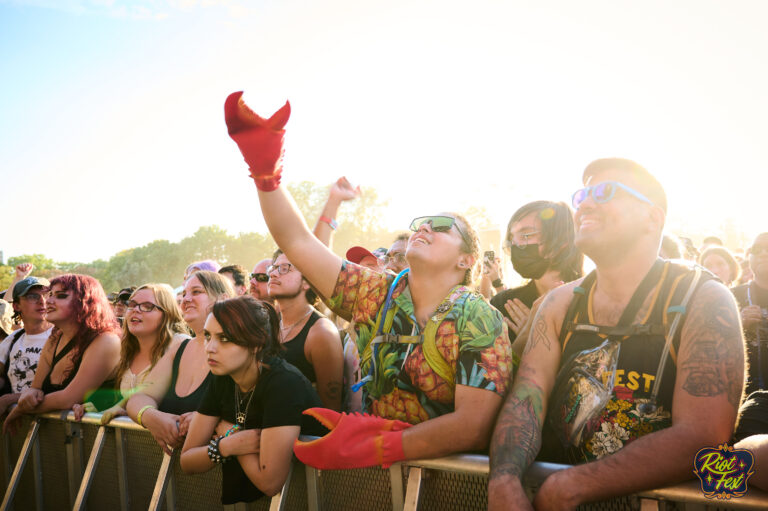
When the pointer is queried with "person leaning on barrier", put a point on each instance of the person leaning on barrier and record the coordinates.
(20, 351)
(178, 381)
(259, 393)
(657, 417)
(451, 386)
(153, 325)
(81, 354)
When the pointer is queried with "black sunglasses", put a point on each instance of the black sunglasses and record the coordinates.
(260, 277)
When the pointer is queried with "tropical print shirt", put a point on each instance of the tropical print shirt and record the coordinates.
(416, 381)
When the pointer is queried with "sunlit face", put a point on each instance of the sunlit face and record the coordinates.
(396, 255)
(224, 356)
(758, 262)
(239, 290)
(441, 249)
(195, 303)
(288, 285)
(60, 305)
(719, 266)
(144, 323)
(526, 231)
(370, 262)
(613, 226)
(32, 306)
(259, 289)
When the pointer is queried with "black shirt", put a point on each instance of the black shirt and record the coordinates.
(172, 402)
(294, 349)
(281, 394)
(756, 339)
(526, 294)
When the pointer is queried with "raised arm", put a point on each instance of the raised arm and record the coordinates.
(339, 192)
(708, 388)
(22, 271)
(517, 436)
(261, 143)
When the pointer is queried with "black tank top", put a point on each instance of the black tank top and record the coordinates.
(638, 362)
(294, 349)
(176, 405)
(102, 398)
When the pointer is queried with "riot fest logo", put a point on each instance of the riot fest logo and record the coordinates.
(723, 471)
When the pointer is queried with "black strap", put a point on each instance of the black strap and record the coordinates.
(17, 335)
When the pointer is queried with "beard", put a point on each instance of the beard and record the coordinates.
(283, 293)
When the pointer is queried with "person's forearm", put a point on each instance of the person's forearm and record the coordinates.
(60, 400)
(323, 231)
(659, 459)
(517, 435)
(448, 434)
(283, 219)
(136, 403)
(196, 460)
(267, 480)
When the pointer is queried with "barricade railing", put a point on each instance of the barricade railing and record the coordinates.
(452, 482)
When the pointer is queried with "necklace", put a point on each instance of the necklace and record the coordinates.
(283, 333)
(241, 416)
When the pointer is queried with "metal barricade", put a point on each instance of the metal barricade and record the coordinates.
(63, 464)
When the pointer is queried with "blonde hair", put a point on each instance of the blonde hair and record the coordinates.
(171, 324)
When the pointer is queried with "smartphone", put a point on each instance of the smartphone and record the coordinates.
(489, 256)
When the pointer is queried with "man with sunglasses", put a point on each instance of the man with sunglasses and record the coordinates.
(435, 356)
(657, 415)
(258, 281)
(753, 302)
(20, 351)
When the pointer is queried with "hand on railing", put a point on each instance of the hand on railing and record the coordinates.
(165, 429)
(30, 398)
(13, 421)
(184, 421)
(80, 409)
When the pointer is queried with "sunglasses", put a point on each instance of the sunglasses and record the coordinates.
(440, 223)
(35, 297)
(604, 192)
(260, 277)
(396, 258)
(143, 307)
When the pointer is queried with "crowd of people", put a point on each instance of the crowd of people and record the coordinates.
(419, 350)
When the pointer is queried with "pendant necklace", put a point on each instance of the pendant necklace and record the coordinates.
(240, 416)
(286, 330)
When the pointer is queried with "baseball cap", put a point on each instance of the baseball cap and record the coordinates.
(125, 293)
(357, 254)
(22, 287)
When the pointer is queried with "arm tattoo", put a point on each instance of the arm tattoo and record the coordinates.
(333, 389)
(538, 333)
(517, 437)
(715, 357)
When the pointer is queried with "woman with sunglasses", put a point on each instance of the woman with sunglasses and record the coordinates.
(153, 325)
(434, 353)
(256, 391)
(176, 384)
(81, 355)
(540, 244)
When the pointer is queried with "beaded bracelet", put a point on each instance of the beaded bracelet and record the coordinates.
(214, 454)
(233, 429)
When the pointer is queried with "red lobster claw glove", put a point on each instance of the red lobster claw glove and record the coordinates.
(260, 140)
(355, 441)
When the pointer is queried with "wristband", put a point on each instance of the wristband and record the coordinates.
(497, 283)
(141, 412)
(233, 429)
(214, 454)
(330, 221)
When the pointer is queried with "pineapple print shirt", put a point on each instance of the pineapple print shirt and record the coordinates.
(416, 382)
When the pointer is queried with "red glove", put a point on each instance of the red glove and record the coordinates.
(355, 441)
(260, 140)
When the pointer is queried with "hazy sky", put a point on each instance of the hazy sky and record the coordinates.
(112, 131)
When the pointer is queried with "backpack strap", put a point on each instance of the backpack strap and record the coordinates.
(17, 335)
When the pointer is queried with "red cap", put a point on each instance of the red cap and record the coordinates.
(357, 254)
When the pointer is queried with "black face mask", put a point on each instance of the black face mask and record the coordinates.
(527, 262)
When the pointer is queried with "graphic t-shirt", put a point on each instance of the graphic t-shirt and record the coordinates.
(22, 360)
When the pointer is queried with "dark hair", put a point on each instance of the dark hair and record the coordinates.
(249, 323)
(733, 265)
(403, 236)
(644, 180)
(92, 311)
(239, 274)
(558, 234)
(672, 247)
(310, 294)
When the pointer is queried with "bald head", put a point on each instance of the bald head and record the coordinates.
(258, 283)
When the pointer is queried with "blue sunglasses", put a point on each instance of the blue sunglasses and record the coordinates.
(604, 192)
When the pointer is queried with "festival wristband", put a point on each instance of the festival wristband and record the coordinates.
(330, 221)
(141, 412)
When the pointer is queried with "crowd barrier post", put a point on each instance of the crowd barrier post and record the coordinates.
(90, 469)
(37, 474)
(396, 483)
(26, 451)
(122, 470)
(161, 485)
(74, 452)
(413, 491)
(313, 497)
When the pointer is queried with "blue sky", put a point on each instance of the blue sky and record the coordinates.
(112, 133)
